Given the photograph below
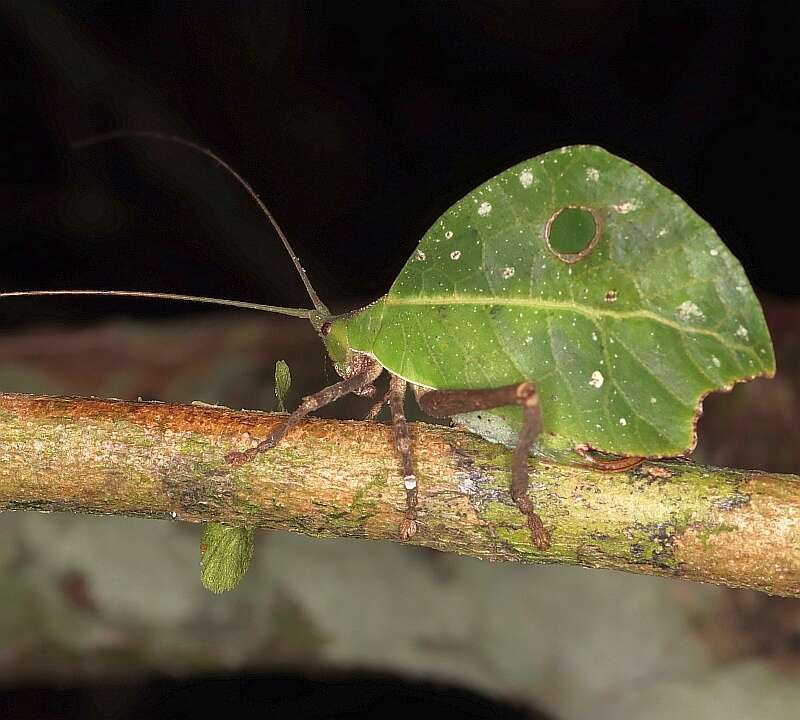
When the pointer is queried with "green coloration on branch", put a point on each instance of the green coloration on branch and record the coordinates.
(341, 478)
(283, 381)
(226, 554)
(226, 551)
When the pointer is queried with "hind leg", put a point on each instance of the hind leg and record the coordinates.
(607, 465)
(445, 403)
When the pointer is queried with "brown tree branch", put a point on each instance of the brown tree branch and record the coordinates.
(341, 478)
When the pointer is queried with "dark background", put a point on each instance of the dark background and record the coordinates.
(359, 124)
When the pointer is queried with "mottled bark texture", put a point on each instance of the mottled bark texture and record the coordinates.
(342, 478)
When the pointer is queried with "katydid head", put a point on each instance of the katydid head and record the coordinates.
(334, 337)
(348, 362)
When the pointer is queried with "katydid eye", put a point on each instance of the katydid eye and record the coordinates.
(572, 232)
(325, 329)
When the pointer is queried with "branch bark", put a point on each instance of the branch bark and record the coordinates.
(341, 478)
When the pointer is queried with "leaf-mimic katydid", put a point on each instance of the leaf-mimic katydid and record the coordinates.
(571, 302)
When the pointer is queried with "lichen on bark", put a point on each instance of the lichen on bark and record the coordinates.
(341, 478)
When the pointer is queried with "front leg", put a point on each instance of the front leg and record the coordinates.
(360, 383)
(446, 403)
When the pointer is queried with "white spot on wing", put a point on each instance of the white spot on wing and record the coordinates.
(597, 379)
(484, 209)
(508, 273)
(626, 207)
(623, 422)
(420, 255)
(592, 174)
(455, 254)
(526, 179)
(448, 234)
(741, 331)
(688, 310)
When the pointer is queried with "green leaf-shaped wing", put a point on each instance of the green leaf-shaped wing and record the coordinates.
(623, 341)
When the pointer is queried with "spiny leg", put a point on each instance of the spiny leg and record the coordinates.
(531, 427)
(445, 403)
(402, 440)
(358, 383)
(608, 465)
(376, 408)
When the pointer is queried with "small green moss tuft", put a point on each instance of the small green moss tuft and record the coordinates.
(225, 554)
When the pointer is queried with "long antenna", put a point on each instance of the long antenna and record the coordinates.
(294, 312)
(96, 139)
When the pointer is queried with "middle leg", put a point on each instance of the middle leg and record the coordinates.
(402, 440)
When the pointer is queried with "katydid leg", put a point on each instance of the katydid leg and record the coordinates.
(531, 427)
(402, 440)
(608, 465)
(445, 403)
(376, 408)
(358, 383)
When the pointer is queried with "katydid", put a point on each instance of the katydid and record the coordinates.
(571, 303)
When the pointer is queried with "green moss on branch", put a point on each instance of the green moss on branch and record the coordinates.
(341, 478)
